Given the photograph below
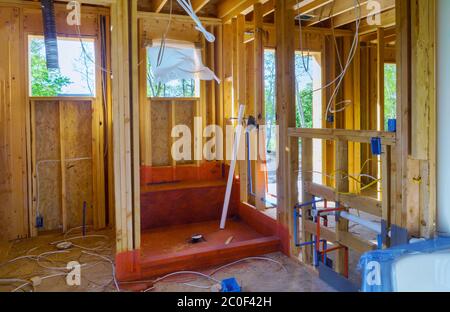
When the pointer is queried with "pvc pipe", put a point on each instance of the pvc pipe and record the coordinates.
(355, 219)
(443, 112)
(237, 139)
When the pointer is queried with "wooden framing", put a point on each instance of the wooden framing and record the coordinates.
(285, 108)
(407, 164)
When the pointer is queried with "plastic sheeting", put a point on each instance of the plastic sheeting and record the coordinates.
(177, 60)
(422, 266)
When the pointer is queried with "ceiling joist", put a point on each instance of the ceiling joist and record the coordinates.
(158, 5)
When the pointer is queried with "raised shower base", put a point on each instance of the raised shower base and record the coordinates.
(168, 249)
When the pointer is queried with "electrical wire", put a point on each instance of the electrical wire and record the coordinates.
(187, 6)
(351, 55)
(113, 267)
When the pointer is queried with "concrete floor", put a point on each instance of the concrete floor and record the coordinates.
(96, 276)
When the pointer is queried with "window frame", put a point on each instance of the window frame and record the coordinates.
(91, 39)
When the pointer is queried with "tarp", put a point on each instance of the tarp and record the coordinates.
(423, 265)
(178, 60)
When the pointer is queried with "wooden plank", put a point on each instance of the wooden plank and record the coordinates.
(197, 5)
(145, 105)
(361, 136)
(258, 68)
(367, 204)
(386, 183)
(342, 186)
(121, 126)
(146, 16)
(380, 79)
(319, 190)
(352, 15)
(325, 232)
(354, 242)
(158, 5)
(32, 211)
(423, 89)
(99, 107)
(135, 126)
(242, 100)
(403, 27)
(13, 155)
(62, 153)
(307, 194)
(287, 175)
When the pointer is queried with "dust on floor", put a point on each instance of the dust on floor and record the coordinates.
(95, 251)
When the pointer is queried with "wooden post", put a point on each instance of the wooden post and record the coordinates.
(125, 145)
(342, 186)
(258, 63)
(242, 100)
(307, 177)
(287, 172)
(403, 57)
(386, 184)
(62, 153)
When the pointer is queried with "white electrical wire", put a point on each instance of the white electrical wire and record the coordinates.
(351, 55)
(246, 259)
(183, 273)
(339, 78)
(78, 237)
(187, 6)
(113, 267)
(209, 276)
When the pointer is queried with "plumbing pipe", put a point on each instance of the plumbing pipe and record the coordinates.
(355, 219)
(345, 256)
(237, 139)
(443, 111)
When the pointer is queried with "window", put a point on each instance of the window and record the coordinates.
(308, 77)
(76, 74)
(271, 136)
(173, 88)
(390, 93)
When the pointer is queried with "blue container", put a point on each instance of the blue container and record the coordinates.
(376, 146)
(392, 125)
(230, 285)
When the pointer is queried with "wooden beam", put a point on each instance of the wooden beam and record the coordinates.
(287, 176)
(62, 153)
(197, 5)
(331, 10)
(122, 144)
(352, 15)
(342, 186)
(227, 7)
(403, 26)
(361, 136)
(306, 6)
(158, 5)
(258, 73)
(380, 79)
(178, 18)
(135, 126)
(242, 99)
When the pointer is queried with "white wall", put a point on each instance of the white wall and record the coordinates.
(443, 117)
